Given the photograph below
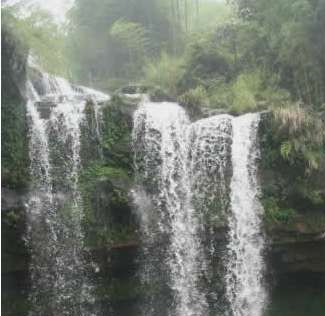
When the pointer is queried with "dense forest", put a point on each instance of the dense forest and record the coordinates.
(238, 56)
(209, 112)
(273, 52)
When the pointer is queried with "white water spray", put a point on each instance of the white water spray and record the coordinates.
(245, 265)
(183, 195)
(55, 238)
(161, 131)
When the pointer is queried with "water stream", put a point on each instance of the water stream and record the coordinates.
(246, 243)
(161, 132)
(191, 179)
(59, 281)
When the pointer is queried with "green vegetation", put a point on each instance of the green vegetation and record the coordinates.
(293, 163)
(111, 39)
(239, 56)
(14, 146)
(275, 214)
(258, 60)
(246, 55)
(165, 72)
(106, 177)
(303, 136)
(44, 38)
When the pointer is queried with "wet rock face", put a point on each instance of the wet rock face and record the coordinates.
(296, 247)
(299, 257)
(11, 199)
(45, 108)
(14, 126)
(294, 225)
(14, 64)
(36, 78)
(14, 173)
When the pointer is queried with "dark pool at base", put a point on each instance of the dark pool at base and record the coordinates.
(295, 294)
(298, 294)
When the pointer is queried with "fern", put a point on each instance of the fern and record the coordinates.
(285, 150)
(303, 134)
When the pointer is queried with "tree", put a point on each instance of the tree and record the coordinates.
(107, 36)
(42, 35)
(293, 30)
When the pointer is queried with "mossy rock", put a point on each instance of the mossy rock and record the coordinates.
(107, 175)
(13, 112)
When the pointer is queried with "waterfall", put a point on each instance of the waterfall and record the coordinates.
(160, 138)
(210, 166)
(185, 191)
(210, 153)
(245, 263)
(54, 213)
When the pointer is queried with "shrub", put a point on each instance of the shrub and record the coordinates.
(193, 100)
(250, 91)
(164, 73)
(195, 97)
(275, 213)
(302, 135)
(244, 91)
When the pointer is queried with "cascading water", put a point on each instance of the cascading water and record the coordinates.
(210, 153)
(209, 168)
(160, 138)
(245, 262)
(183, 174)
(58, 277)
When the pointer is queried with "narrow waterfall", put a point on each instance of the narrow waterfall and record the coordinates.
(192, 180)
(210, 170)
(54, 213)
(245, 262)
(210, 152)
(161, 151)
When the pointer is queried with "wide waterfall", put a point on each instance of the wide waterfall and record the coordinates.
(59, 281)
(191, 177)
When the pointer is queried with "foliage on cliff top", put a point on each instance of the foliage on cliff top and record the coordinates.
(302, 134)
(293, 160)
(44, 38)
(271, 55)
(165, 72)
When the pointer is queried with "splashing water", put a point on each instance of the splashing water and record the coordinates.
(183, 174)
(209, 161)
(160, 138)
(209, 165)
(245, 262)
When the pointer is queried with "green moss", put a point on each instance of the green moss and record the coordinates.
(275, 214)
(14, 145)
(97, 170)
(293, 193)
(17, 305)
(105, 199)
(106, 177)
(116, 133)
(315, 221)
(14, 252)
